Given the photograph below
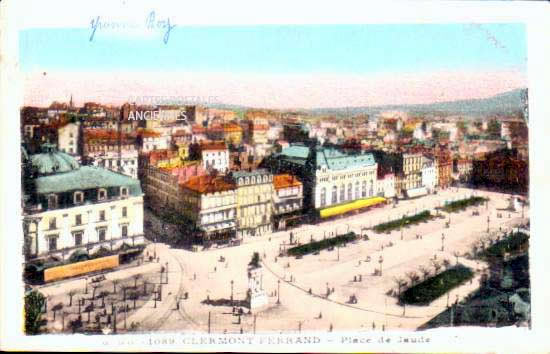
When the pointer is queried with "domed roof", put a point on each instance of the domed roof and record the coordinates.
(51, 161)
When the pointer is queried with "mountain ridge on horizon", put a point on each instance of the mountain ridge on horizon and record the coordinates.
(503, 102)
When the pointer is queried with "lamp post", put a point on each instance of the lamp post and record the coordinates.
(278, 291)
(337, 252)
(488, 220)
(442, 242)
(380, 260)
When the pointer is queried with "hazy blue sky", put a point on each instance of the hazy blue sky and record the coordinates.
(276, 66)
(280, 49)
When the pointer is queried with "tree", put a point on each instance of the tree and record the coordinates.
(456, 254)
(71, 293)
(102, 295)
(136, 278)
(436, 265)
(413, 277)
(400, 282)
(425, 272)
(56, 308)
(34, 301)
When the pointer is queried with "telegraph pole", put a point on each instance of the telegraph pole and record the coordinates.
(208, 321)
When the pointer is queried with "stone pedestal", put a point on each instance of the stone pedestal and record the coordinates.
(256, 294)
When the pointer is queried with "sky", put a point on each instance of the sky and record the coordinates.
(287, 66)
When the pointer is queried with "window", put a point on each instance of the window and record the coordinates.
(323, 196)
(52, 201)
(124, 191)
(124, 212)
(102, 193)
(78, 219)
(342, 192)
(357, 193)
(102, 215)
(370, 189)
(364, 189)
(52, 243)
(78, 197)
(77, 238)
(350, 192)
(334, 195)
(101, 234)
(52, 223)
(124, 230)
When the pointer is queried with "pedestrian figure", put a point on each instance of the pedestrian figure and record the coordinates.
(373, 326)
(355, 278)
(383, 328)
(320, 315)
(332, 290)
(215, 269)
(309, 291)
(330, 328)
(241, 329)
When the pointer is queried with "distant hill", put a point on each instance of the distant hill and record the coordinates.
(502, 103)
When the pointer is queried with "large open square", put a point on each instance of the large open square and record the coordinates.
(361, 278)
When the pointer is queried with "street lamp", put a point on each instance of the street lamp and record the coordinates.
(442, 242)
(278, 291)
(380, 260)
(231, 292)
(488, 220)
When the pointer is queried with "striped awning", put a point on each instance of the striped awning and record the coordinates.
(344, 208)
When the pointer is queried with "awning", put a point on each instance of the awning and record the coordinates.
(344, 208)
(416, 192)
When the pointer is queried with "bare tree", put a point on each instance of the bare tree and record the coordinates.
(71, 293)
(56, 308)
(400, 282)
(413, 277)
(94, 287)
(102, 295)
(436, 265)
(425, 272)
(456, 254)
(136, 278)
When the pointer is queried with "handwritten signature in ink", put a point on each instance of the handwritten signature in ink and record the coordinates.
(152, 23)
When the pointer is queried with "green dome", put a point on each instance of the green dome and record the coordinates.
(51, 161)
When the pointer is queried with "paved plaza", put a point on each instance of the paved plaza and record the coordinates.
(300, 285)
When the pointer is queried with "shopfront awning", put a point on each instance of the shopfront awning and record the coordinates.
(416, 192)
(344, 208)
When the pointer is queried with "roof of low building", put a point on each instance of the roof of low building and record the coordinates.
(285, 181)
(208, 184)
(214, 145)
(85, 177)
(51, 161)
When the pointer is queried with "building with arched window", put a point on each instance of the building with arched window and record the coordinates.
(71, 209)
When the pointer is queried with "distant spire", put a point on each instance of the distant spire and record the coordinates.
(71, 101)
